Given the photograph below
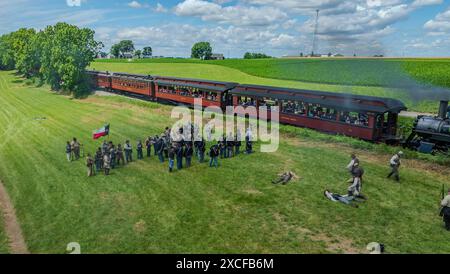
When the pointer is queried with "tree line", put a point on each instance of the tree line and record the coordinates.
(57, 55)
(125, 49)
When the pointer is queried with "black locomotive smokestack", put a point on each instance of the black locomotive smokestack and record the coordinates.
(443, 108)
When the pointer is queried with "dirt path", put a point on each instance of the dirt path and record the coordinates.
(12, 228)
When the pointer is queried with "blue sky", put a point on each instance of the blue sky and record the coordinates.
(363, 27)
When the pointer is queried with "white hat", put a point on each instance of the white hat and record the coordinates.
(400, 153)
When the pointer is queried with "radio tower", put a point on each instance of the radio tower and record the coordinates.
(316, 30)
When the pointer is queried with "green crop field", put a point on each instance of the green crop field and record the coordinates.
(235, 71)
(360, 72)
(141, 208)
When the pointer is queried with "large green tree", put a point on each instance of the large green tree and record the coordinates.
(125, 46)
(202, 50)
(7, 61)
(27, 51)
(147, 51)
(66, 52)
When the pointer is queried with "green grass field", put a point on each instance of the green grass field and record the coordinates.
(234, 209)
(3, 239)
(223, 72)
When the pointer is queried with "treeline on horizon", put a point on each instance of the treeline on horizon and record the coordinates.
(57, 55)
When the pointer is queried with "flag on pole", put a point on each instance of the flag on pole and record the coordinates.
(104, 131)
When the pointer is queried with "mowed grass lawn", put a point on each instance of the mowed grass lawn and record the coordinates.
(141, 208)
(224, 73)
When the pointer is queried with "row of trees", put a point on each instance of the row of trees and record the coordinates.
(57, 55)
(126, 47)
(250, 55)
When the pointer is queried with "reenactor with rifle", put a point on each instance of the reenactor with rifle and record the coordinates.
(112, 155)
(248, 145)
(75, 148)
(201, 150)
(119, 155)
(148, 145)
(69, 151)
(214, 155)
(106, 163)
(230, 145)
(128, 151)
(445, 211)
(90, 165)
(222, 146)
(189, 151)
(104, 147)
(237, 144)
(160, 149)
(171, 159)
(99, 160)
(140, 150)
(395, 165)
(179, 155)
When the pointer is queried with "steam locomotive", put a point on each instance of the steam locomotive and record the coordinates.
(430, 134)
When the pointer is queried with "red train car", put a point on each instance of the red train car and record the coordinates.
(140, 85)
(365, 117)
(185, 91)
(100, 79)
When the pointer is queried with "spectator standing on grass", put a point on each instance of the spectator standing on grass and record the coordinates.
(69, 151)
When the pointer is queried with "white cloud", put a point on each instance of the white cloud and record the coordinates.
(135, 5)
(160, 8)
(440, 24)
(234, 15)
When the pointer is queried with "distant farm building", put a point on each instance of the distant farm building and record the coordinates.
(217, 56)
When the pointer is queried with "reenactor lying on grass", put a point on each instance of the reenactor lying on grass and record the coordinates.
(345, 199)
(90, 165)
(445, 212)
(395, 163)
(285, 178)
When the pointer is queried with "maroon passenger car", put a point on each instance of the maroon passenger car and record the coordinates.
(365, 117)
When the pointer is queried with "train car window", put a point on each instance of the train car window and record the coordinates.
(246, 101)
(268, 102)
(294, 107)
(355, 118)
(211, 96)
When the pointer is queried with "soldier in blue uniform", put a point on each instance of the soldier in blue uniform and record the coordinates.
(171, 159)
(214, 155)
(112, 153)
(201, 150)
(128, 151)
(140, 150)
(179, 155)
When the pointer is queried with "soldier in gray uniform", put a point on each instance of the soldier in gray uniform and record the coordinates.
(395, 166)
(128, 151)
(445, 212)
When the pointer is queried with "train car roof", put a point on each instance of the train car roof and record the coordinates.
(168, 79)
(331, 99)
(132, 76)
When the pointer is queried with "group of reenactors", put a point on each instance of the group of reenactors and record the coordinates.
(180, 151)
(73, 150)
(354, 191)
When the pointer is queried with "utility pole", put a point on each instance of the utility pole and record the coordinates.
(316, 30)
